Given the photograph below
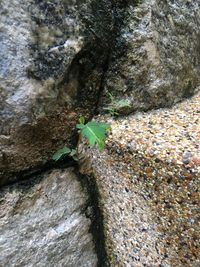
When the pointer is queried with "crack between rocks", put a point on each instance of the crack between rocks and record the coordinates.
(29, 174)
(101, 86)
(88, 183)
(116, 30)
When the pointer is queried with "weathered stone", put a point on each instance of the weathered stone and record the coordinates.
(149, 194)
(57, 58)
(52, 60)
(42, 223)
(155, 60)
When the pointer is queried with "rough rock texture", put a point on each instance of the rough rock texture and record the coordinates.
(43, 223)
(149, 180)
(155, 61)
(58, 56)
(51, 66)
(56, 59)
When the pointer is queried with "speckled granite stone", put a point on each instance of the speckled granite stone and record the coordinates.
(149, 180)
(155, 60)
(43, 223)
(60, 58)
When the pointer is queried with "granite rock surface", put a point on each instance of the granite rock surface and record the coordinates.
(60, 58)
(43, 223)
(155, 60)
(148, 180)
(50, 72)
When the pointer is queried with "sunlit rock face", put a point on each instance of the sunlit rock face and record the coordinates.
(155, 61)
(43, 223)
(148, 179)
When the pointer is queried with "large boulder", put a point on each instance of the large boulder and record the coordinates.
(52, 61)
(148, 181)
(155, 60)
(43, 223)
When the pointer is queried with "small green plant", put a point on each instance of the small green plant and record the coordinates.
(116, 106)
(65, 151)
(94, 132)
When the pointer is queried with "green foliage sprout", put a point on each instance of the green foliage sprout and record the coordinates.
(116, 106)
(65, 151)
(94, 132)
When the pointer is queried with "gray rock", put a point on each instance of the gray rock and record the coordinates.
(57, 57)
(155, 60)
(42, 223)
(52, 59)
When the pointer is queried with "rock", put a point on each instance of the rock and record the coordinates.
(155, 60)
(53, 56)
(43, 223)
(58, 58)
(148, 196)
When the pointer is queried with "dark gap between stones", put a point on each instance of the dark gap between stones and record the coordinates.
(97, 228)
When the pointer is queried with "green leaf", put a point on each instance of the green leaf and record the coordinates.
(80, 126)
(111, 97)
(73, 152)
(123, 103)
(104, 125)
(82, 120)
(111, 110)
(95, 132)
(107, 108)
(61, 152)
(75, 158)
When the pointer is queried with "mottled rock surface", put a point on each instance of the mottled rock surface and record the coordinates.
(51, 67)
(155, 61)
(58, 58)
(149, 180)
(43, 223)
